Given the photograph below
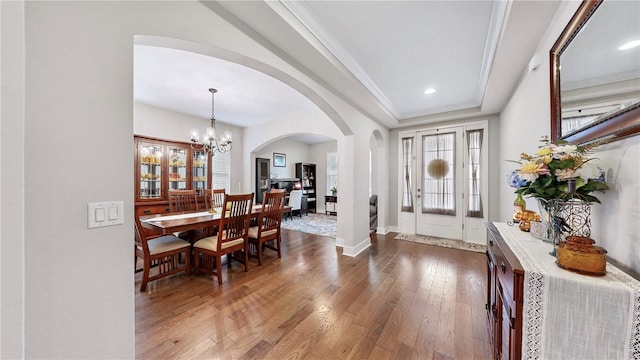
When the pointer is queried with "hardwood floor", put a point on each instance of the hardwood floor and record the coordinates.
(396, 300)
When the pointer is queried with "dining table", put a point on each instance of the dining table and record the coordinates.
(168, 224)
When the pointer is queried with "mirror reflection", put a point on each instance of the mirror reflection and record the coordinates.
(600, 67)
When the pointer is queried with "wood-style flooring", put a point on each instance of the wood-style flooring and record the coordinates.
(396, 300)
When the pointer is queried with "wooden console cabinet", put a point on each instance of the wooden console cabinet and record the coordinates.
(330, 204)
(568, 315)
(505, 278)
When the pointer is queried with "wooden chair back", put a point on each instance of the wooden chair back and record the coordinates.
(268, 229)
(272, 205)
(213, 198)
(218, 197)
(182, 200)
(236, 219)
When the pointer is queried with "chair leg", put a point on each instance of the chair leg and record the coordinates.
(259, 249)
(219, 269)
(145, 275)
(246, 258)
(278, 243)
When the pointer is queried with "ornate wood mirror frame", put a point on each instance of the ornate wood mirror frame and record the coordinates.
(623, 123)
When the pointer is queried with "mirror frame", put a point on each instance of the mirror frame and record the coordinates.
(621, 124)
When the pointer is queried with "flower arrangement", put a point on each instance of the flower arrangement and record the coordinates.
(546, 175)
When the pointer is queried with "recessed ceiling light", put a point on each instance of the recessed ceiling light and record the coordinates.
(630, 45)
(429, 91)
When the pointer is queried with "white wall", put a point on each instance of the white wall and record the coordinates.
(295, 152)
(615, 223)
(12, 187)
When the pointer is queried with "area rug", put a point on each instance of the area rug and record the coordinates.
(454, 244)
(319, 224)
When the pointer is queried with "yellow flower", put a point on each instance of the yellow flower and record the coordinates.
(530, 170)
(543, 151)
(547, 159)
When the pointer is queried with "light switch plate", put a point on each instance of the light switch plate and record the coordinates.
(108, 213)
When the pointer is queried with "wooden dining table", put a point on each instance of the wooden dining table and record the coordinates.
(168, 224)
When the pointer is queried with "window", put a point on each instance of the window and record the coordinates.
(221, 171)
(474, 142)
(407, 191)
(332, 171)
(438, 195)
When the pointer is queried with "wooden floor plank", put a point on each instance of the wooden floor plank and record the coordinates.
(396, 300)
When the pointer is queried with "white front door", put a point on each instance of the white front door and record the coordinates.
(439, 210)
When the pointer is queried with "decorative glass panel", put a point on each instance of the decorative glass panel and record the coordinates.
(199, 171)
(407, 191)
(438, 188)
(474, 141)
(150, 171)
(177, 168)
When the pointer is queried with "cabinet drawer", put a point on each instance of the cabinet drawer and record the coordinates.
(505, 274)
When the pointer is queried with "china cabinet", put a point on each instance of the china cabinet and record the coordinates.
(161, 166)
(307, 175)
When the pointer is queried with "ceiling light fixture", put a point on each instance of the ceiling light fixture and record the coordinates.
(210, 143)
(630, 45)
(429, 91)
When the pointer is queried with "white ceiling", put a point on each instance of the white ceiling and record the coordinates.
(379, 56)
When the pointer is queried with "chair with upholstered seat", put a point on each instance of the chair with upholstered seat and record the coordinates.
(182, 200)
(267, 233)
(214, 198)
(231, 238)
(169, 254)
(295, 201)
(186, 200)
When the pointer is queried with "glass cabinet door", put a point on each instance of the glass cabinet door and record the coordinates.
(150, 171)
(199, 171)
(177, 168)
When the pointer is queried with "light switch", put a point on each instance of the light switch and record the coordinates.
(100, 215)
(113, 213)
(107, 213)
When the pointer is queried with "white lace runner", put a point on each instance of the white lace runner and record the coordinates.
(180, 216)
(572, 316)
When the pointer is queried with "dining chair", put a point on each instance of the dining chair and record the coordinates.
(267, 233)
(169, 254)
(218, 197)
(231, 238)
(295, 201)
(182, 200)
(213, 198)
(186, 200)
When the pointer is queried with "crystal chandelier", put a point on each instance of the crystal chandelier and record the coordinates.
(210, 143)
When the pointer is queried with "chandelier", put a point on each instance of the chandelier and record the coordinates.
(210, 142)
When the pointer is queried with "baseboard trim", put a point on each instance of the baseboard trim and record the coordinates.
(354, 251)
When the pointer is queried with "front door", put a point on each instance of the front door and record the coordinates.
(439, 191)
